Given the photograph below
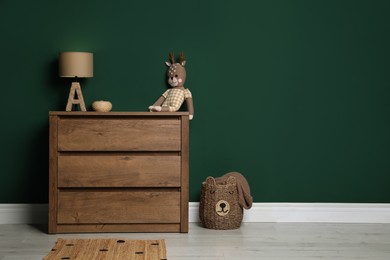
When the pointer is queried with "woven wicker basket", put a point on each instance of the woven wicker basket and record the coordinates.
(219, 207)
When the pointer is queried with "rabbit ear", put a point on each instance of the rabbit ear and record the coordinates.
(231, 180)
(210, 181)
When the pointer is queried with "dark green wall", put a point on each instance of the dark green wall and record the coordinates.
(293, 94)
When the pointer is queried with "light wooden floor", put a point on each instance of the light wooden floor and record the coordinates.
(251, 241)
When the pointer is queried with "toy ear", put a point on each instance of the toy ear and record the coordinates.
(168, 63)
(210, 181)
(231, 180)
(183, 63)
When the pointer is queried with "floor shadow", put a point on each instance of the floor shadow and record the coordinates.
(40, 227)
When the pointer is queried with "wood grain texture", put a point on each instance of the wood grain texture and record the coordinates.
(185, 128)
(119, 228)
(118, 206)
(119, 135)
(107, 249)
(52, 174)
(117, 172)
(118, 114)
(101, 170)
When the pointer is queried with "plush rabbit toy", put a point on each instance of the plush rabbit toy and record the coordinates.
(173, 98)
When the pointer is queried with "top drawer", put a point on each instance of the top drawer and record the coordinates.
(119, 134)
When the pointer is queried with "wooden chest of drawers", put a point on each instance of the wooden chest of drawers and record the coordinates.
(118, 172)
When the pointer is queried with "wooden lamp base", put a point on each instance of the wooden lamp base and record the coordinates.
(75, 89)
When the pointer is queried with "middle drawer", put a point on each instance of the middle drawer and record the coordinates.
(107, 170)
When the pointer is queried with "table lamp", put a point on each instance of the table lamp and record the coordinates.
(76, 65)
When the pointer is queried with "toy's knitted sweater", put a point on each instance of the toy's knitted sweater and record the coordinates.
(175, 98)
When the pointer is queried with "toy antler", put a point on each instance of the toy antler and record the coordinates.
(181, 58)
(172, 57)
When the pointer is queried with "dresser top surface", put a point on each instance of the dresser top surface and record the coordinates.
(119, 113)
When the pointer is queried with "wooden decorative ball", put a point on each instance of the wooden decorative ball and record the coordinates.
(102, 106)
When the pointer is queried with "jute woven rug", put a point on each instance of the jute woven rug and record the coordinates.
(107, 249)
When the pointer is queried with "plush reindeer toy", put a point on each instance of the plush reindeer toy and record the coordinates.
(173, 98)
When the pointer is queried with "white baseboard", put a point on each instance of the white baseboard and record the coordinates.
(23, 213)
(260, 212)
(310, 212)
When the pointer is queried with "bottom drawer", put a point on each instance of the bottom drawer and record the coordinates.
(113, 207)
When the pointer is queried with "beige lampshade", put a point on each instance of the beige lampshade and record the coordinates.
(76, 64)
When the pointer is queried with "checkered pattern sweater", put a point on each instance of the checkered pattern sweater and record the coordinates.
(175, 97)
